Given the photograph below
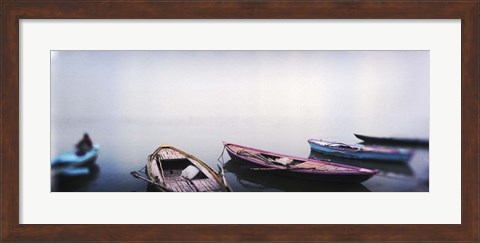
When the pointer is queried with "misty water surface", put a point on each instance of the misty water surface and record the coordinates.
(130, 102)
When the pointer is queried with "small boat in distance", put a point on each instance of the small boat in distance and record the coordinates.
(360, 152)
(72, 164)
(78, 162)
(298, 167)
(393, 140)
(171, 170)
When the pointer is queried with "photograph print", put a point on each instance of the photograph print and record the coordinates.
(240, 121)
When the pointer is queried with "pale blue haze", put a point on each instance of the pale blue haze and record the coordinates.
(130, 102)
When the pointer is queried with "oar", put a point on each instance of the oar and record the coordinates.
(138, 176)
(222, 174)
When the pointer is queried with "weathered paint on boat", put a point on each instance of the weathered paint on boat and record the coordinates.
(360, 152)
(165, 165)
(301, 167)
(393, 140)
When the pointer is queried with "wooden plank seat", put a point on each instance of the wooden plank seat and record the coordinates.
(180, 184)
(172, 175)
(170, 154)
(204, 185)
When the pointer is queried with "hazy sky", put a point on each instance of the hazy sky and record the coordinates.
(182, 86)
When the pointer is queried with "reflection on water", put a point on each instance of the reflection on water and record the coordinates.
(66, 183)
(241, 178)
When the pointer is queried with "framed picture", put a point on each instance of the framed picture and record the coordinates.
(111, 60)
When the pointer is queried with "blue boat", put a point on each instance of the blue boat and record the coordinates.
(360, 152)
(71, 164)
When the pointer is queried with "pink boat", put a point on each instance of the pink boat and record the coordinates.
(298, 167)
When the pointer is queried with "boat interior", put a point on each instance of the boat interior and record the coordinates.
(173, 168)
(295, 163)
(342, 145)
(181, 174)
(278, 159)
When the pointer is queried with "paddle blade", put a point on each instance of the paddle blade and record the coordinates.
(135, 174)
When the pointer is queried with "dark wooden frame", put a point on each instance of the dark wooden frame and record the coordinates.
(12, 11)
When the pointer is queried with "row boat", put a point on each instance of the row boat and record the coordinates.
(393, 140)
(360, 152)
(171, 169)
(298, 167)
(72, 164)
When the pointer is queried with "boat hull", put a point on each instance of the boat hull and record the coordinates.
(344, 177)
(260, 181)
(393, 141)
(362, 155)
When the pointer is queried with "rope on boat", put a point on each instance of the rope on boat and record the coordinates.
(142, 170)
(221, 156)
(244, 153)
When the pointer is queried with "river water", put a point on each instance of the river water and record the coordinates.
(131, 102)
